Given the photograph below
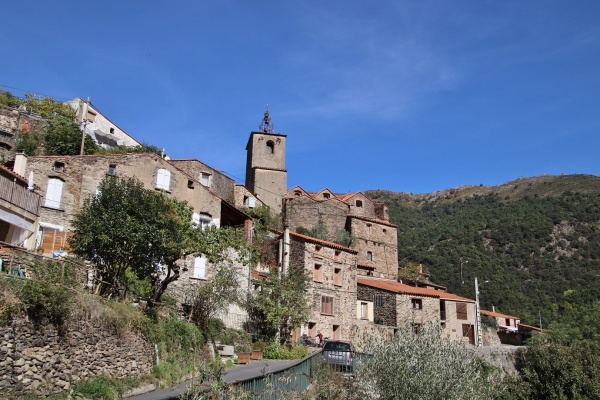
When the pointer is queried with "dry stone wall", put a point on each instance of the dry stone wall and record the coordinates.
(38, 361)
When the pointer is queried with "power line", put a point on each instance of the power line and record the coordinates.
(2, 85)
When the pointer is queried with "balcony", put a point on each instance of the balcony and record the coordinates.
(18, 196)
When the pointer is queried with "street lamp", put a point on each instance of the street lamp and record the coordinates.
(478, 334)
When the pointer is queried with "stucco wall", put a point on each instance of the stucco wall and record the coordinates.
(219, 183)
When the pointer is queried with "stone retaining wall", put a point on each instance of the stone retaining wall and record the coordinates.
(40, 362)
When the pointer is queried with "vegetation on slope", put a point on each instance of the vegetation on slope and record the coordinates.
(534, 240)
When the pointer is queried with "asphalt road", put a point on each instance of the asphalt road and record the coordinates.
(238, 373)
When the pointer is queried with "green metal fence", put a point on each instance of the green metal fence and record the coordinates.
(275, 385)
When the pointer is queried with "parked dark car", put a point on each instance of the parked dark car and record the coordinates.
(339, 354)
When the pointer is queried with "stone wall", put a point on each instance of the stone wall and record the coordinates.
(37, 361)
(381, 240)
(306, 212)
(219, 183)
(384, 313)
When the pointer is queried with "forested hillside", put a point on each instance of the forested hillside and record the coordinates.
(536, 240)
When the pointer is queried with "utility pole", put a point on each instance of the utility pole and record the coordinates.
(462, 280)
(478, 335)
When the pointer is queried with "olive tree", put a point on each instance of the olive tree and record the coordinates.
(427, 365)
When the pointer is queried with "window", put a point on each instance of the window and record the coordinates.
(91, 116)
(461, 311)
(417, 304)
(416, 328)
(190, 184)
(378, 300)
(270, 147)
(364, 310)
(466, 330)
(199, 268)
(163, 179)
(442, 310)
(205, 220)
(205, 179)
(337, 332)
(297, 193)
(507, 321)
(336, 256)
(327, 305)
(317, 249)
(54, 193)
(59, 166)
(112, 169)
(245, 202)
(369, 256)
(312, 329)
(317, 276)
(337, 276)
(359, 203)
(326, 195)
(112, 131)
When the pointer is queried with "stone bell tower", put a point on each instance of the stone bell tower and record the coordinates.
(266, 175)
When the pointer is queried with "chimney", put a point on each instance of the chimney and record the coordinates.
(20, 163)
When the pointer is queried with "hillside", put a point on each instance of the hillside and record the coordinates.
(536, 240)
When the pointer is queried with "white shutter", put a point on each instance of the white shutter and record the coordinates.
(163, 179)
(199, 268)
(215, 222)
(251, 202)
(54, 193)
(196, 219)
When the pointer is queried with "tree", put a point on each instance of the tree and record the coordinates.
(281, 304)
(427, 365)
(64, 138)
(128, 227)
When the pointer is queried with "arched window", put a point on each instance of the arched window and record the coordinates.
(297, 193)
(270, 147)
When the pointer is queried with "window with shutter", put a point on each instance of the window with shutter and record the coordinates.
(327, 305)
(199, 268)
(205, 179)
(54, 193)
(163, 179)
(461, 311)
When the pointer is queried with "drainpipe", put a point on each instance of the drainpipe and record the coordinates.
(286, 249)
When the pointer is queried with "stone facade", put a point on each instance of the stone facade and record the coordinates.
(37, 361)
(216, 180)
(332, 289)
(266, 175)
(384, 304)
(80, 176)
(242, 197)
(377, 245)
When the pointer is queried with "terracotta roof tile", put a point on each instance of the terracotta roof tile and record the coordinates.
(497, 314)
(366, 266)
(323, 242)
(397, 287)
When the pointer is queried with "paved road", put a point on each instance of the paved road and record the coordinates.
(242, 372)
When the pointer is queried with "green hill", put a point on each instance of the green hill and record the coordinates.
(536, 240)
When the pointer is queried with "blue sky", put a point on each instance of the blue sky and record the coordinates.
(409, 96)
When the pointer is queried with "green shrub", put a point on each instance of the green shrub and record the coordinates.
(101, 387)
(276, 351)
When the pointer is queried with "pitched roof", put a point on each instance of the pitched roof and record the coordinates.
(397, 287)
(322, 242)
(376, 221)
(497, 314)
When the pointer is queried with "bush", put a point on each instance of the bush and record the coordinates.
(425, 366)
(101, 387)
(276, 351)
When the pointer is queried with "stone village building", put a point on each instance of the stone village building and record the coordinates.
(67, 181)
(355, 287)
(348, 282)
